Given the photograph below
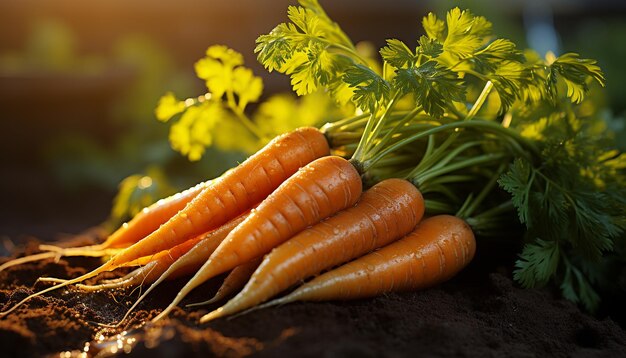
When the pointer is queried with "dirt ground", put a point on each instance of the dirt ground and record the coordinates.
(479, 313)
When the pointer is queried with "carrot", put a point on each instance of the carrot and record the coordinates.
(190, 261)
(435, 251)
(235, 281)
(141, 225)
(386, 212)
(227, 197)
(317, 191)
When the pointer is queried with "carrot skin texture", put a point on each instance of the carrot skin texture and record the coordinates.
(318, 190)
(234, 192)
(386, 212)
(437, 250)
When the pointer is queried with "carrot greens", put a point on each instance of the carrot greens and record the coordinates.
(462, 106)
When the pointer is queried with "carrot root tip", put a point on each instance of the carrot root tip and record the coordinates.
(51, 279)
(204, 303)
(212, 315)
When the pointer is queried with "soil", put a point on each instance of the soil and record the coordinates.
(481, 313)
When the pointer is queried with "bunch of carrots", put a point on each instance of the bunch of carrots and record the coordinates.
(345, 204)
(287, 213)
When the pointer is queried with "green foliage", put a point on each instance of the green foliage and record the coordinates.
(538, 263)
(316, 54)
(573, 201)
(312, 49)
(398, 54)
(432, 85)
(577, 288)
(576, 72)
(369, 88)
(518, 181)
(224, 75)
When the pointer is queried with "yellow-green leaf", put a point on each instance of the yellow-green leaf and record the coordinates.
(246, 86)
(225, 54)
(168, 107)
(191, 135)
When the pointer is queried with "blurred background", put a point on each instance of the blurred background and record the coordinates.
(79, 82)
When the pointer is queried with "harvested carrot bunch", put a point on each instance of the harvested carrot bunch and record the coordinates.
(462, 128)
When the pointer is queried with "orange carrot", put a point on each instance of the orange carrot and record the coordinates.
(227, 197)
(235, 281)
(386, 212)
(317, 191)
(190, 261)
(438, 249)
(141, 225)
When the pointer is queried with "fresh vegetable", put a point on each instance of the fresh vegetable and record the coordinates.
(317, 191)
(386, 212)
(435, 251)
